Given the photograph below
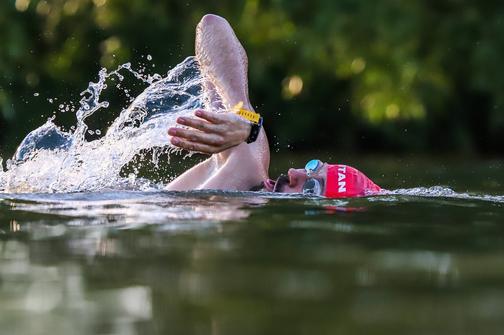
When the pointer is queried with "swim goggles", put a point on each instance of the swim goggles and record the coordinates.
(312, 186)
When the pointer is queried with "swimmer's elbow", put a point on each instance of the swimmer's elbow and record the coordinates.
(211, 20)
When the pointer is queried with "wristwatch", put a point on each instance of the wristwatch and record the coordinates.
(254, 118)
(255, 130)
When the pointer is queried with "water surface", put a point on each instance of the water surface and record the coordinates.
(419, 261)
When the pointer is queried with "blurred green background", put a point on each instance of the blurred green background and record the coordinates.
(345, 75)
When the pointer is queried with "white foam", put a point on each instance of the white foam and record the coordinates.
(52, 160)
(441, 192)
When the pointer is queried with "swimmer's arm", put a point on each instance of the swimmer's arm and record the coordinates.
(223, 62)
(240, 172)
(242, 166)
(238, 168)
(193, 178)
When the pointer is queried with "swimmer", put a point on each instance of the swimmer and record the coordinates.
(239, 147)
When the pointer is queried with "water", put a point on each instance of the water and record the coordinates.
(50, 159)
(209, 262)
(100, 252)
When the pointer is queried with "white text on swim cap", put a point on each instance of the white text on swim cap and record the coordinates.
(341, 178)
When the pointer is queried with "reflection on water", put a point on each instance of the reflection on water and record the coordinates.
(230, 262)
(41, 299)
(146, 208)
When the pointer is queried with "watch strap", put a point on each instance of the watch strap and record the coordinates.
(254, 118)
(255, 129)
(246, 114)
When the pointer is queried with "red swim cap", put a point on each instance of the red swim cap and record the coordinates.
(345, 181)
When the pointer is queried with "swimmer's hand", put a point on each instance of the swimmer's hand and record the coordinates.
(210, 133)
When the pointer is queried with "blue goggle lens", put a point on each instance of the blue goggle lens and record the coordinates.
(312, 165)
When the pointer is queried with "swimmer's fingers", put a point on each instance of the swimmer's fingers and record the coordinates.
(193, 146)
(197, 136)
(212, 117)
(199, 124)
(231, 127)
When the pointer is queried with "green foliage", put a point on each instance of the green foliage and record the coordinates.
(348, 74)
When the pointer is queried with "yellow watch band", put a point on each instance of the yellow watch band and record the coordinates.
(246, 114)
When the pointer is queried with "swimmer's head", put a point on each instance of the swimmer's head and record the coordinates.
(323, 179)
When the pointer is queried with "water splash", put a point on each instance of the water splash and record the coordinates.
(50, 159)
(439, 192)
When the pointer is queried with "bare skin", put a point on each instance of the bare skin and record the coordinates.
(296, 179)
(234, 165)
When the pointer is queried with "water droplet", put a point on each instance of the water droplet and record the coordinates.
(149, 57)
(36, 94)
(129, 133)
(131, 178)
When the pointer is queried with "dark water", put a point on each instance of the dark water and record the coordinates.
(431, 262)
